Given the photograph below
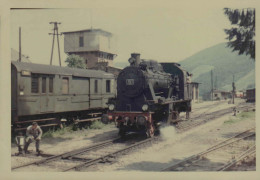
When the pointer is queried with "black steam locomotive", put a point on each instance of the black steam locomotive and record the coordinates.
(149, 93)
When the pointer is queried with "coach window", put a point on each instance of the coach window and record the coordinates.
(96, 86)
(65, 85)
(51, 85)
(35, 84)
(81, 41)
(107, 86)
(43, 84)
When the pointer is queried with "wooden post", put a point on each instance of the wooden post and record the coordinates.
(20, 45)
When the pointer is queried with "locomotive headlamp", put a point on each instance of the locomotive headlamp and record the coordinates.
(145, 107)
(111, 107)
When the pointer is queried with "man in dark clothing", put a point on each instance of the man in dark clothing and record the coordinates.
(33, 133)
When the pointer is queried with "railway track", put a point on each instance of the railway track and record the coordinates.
(88, 156)
(70, 155)
(107, 157)
(107, 151)
(213, 158)
(203, 118)
(208, 107)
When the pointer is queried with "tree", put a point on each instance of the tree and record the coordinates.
(75, 61)
(241, 35)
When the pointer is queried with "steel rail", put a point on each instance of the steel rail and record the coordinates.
(237, 106)
(69, 154)
(242, 156)
(102, 158)
(209, 117)
(213, 148)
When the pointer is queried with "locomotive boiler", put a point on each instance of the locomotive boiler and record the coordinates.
(148, 94)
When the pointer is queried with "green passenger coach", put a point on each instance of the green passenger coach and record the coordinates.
(48, 94)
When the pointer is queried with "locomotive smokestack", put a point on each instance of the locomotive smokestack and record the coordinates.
(136, 56)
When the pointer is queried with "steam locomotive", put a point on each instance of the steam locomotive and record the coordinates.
(148, 94)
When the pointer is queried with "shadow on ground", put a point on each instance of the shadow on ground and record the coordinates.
(149, 165)
(103, 136)
(55, 140)
(229, 135)
(203, 165)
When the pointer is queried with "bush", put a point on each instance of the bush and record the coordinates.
(75, 61)
(52, 132)
(96, 125)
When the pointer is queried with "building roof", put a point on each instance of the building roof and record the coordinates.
(99, 31)
(47, 69)
(220, 91)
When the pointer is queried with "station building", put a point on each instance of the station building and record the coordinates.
(195, 91)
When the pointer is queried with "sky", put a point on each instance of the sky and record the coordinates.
(168, 33)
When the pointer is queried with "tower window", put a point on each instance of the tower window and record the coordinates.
(108, 86)
(81, 41)
(96, 86)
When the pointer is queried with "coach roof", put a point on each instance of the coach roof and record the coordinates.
(47, 69)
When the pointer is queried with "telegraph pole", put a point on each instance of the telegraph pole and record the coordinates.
(212, 85)
(216, 82)
(91, 18)
(55, 33)
(20, 45)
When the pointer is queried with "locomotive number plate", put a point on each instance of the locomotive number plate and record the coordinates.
(130, 82)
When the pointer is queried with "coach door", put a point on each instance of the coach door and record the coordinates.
(47, 90)
(95, 93)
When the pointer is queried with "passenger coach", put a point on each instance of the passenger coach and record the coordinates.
(48, 94)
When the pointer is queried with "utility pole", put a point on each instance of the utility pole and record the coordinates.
(55, 32)
(91, 18)
(216, 82)
(212, 85)
(20, 46)
(234, 89)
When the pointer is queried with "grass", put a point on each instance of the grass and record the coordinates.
(71, 128)
(248, 115)
(240, 117)
(96, 125)
(52, 132)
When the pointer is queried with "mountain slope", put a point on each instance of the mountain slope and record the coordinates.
(224, 64)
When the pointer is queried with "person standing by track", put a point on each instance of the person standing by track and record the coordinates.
(33, 133)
